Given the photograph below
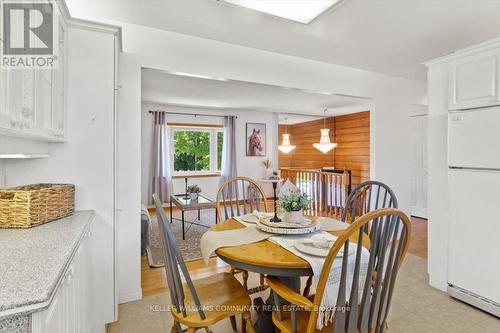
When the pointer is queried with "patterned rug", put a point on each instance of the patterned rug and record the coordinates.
(190, 248)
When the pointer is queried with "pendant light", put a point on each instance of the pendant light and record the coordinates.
(285, 146)
(324, 145)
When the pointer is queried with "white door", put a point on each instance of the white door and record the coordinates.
(418, 204)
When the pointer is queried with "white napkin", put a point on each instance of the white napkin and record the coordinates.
(262, 215)
(320, 242)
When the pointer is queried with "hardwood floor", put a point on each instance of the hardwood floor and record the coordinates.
(418, 242)
(153, 280)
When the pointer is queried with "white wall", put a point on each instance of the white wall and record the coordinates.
(437, 164)
(129, 180)
(247, 166)
(390, 141)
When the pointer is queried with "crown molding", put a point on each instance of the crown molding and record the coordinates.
(481, 47)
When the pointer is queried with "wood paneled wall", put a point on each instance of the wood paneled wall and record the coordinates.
(303, 135)
(352, 134)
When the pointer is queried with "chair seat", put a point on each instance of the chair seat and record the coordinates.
(285, 325)
(221, 296)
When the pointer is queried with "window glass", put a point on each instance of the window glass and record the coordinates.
(191, 150)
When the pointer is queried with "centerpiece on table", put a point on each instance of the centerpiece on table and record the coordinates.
(193, 191)
(293, 204)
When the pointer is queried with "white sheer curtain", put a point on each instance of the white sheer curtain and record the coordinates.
(162, 172)
(229, 149)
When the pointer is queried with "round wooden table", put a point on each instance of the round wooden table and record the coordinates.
(267, 257)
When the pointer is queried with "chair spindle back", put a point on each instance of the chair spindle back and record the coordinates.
(239, 196)
(366, 197)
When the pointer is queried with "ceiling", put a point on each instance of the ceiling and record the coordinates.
(174, 89)
(387, 36)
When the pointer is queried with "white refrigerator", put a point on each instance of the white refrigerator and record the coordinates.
(474, 187)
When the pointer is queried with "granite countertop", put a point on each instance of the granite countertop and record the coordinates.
(32, 261)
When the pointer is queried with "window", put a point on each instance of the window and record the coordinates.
(197, 150)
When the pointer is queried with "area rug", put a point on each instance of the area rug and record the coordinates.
(190, 248)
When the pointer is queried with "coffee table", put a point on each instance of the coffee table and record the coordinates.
(184, 203)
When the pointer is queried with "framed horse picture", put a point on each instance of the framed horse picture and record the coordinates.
(256, 139)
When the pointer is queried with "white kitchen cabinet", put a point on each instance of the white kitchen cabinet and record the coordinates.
(18, 107)
(4, 98)
(70, 309)
(44, 102)
(4, 78)
(474, 81)
(33, 101)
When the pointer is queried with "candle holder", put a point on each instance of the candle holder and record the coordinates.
(275, 218)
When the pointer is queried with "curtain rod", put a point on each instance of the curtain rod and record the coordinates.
(194, 114)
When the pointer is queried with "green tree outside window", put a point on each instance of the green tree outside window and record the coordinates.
(192, 151)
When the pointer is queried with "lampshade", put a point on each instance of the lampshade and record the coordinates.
(285, 146)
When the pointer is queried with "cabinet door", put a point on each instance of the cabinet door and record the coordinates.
(474, 81)
(52, 319)
(44, 102)
(5, 116)
(70, 309)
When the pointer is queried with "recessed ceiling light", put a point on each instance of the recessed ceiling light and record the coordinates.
(303, 11)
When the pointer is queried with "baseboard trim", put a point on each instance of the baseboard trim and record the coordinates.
(130, 297)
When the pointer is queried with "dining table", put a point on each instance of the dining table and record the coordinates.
(269, 258)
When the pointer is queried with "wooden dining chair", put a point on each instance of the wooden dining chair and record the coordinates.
(368, 196)
(200, 303)
(365, 197)
(365, 308)
(239, 196)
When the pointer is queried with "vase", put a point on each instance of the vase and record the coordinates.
(193, 196)
(294, 216)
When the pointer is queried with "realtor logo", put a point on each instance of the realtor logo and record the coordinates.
(28, 35)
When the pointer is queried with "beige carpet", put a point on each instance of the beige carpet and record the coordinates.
(190, 248)
(416, 308)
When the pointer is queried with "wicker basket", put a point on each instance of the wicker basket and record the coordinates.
(32, 205)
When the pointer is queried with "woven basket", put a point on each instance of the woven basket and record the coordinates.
(32, 205)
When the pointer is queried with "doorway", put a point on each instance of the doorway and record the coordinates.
(418, 196)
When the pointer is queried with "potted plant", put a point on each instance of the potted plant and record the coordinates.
(293, 204)
(193, 191)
